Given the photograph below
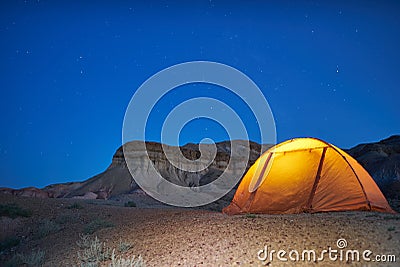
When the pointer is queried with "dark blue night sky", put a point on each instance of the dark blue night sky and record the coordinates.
(68, 71)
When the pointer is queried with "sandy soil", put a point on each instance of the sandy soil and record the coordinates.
(187, 237)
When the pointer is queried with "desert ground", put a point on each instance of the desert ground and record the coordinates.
(166, 236)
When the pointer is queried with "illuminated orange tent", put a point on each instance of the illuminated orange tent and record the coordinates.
(306, 175)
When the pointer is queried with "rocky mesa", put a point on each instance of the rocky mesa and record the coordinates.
(117, 179)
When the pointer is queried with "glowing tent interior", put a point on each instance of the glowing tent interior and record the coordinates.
(306, 175)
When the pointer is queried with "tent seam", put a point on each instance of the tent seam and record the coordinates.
(260, 180)
(316, 181)
(358, 179)
(354, 172)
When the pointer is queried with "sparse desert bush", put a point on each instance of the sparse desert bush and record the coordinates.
(130, 204)
(92, 251)
(67, 218)
(34, 259)
(250, 215)
(8, 243)
(392, 217)
(47, 227)
(123, 246)
(15, 261)
(119, 261)
(95, 225)
(84, 241)
(75, 206)
(13, 211)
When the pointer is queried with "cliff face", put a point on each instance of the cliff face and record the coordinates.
(382, 161)
(118, 180)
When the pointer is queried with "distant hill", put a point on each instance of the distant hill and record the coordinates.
(382, 161)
